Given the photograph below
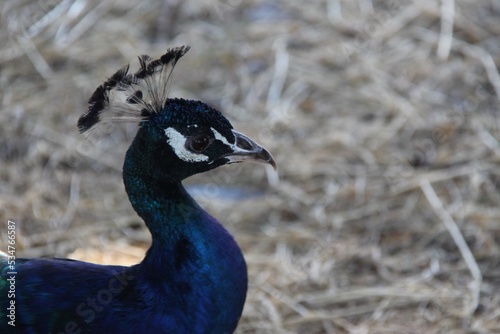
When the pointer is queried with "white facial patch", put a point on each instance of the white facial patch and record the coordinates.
(178, 143)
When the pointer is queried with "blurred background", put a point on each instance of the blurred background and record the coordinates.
(383, 117)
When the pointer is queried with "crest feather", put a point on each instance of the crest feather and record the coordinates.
(132, 97)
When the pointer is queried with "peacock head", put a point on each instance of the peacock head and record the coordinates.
(177, 138)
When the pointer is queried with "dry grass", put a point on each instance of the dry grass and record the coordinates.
(382, 116)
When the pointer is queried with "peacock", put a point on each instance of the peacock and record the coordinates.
(193, 278)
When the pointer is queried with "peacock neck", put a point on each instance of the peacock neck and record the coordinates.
(193, 262)
(165, 207)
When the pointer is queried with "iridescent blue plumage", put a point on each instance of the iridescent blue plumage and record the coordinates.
(193, 278)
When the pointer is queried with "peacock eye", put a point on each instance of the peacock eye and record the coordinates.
(200, 143)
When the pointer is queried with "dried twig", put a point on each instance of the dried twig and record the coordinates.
(446, 36)
(459, 240)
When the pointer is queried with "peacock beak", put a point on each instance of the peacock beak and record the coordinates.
(245, 149)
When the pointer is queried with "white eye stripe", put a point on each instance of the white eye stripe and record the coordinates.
(178, 143)
(220, 137)
(223, 139)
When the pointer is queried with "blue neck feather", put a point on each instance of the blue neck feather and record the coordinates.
(194, 267)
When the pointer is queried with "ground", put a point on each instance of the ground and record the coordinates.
(383, 117)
